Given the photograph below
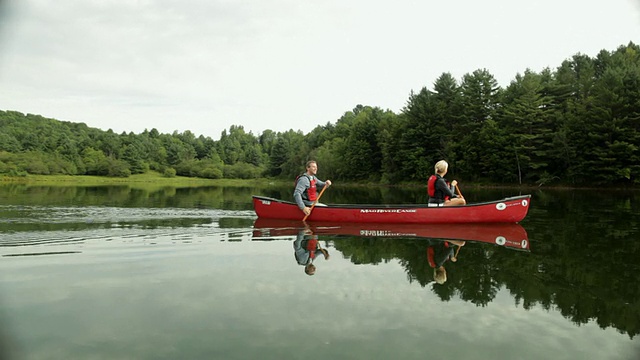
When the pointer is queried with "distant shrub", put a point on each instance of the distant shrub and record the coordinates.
(118, 168)
(242, 170)
(211, 173)
(17, 173)
(36, 167)
(169, 172)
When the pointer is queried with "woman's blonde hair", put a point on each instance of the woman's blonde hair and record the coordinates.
(440, 275)
(441, 167)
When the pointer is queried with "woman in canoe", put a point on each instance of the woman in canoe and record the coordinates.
(307, 186)
(440, 191)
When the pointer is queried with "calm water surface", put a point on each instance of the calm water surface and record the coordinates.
(119, 273)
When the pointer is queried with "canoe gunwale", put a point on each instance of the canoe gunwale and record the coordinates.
(397, 206)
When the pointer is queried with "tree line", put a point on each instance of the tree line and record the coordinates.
(578, 124)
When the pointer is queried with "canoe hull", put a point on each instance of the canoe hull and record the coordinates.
(508, 210)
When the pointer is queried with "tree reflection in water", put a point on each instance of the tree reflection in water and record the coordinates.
(548, 276)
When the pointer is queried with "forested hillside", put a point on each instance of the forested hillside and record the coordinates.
(578, 124)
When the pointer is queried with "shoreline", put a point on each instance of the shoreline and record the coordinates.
(156, 179)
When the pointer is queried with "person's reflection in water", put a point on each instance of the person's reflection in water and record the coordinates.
(306, 248)
(438, 253)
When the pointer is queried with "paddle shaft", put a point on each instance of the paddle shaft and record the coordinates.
(457, 251)
(458, 190)
(315, 202)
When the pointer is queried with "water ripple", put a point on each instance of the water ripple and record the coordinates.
(39, 226)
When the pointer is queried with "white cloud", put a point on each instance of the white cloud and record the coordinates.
(206, 65)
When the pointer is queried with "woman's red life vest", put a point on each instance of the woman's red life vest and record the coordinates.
(431, 185)
(430, 257)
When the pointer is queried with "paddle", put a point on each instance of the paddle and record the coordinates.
(315, 202)
(455, 256)
(324, 251)
(457, 251)
(458, 190)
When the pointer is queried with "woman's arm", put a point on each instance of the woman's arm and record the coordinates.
(441, 184)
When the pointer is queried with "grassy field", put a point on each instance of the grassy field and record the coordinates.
(151, 179)
(156, 180)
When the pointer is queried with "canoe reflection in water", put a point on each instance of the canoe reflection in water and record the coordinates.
(504, 234)
(437, 244)
(307, 248)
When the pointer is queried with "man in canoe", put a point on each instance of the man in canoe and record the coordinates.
(440, 192)
(307, 186)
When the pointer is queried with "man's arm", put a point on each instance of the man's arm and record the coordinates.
(321, 184)
(302, 185)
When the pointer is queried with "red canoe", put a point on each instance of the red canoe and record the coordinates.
(507, 210)
(503, 234)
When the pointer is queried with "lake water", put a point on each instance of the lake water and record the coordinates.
(116, 272)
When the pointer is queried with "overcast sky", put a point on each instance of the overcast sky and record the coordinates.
(204, 65)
